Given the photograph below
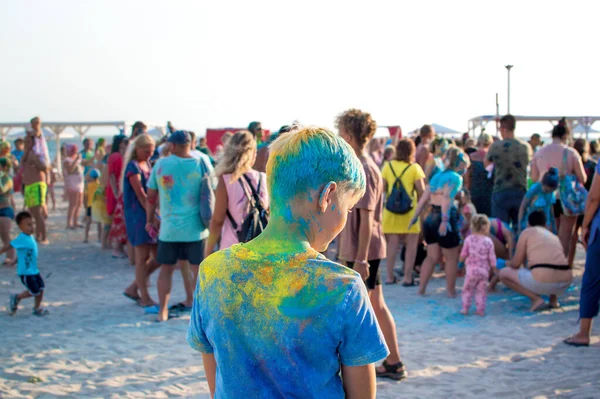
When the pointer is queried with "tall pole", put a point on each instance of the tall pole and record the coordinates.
(497, 114)
(508, 68)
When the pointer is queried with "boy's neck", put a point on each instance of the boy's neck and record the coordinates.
(282, 236)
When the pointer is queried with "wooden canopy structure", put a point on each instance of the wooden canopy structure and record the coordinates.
(582, 123)
(80, 127)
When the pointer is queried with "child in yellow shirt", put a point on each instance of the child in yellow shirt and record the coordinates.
(92, 182)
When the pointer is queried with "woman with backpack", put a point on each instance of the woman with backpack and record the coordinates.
(404, 183)
(241, 193)
(568, 162)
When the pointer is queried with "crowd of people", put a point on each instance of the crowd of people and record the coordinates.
(490, 209)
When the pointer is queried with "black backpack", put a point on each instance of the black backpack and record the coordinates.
(399, 201)
(255, 222)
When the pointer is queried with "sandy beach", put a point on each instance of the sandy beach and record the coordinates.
(98, 344)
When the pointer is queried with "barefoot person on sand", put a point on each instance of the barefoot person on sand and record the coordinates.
(547, 272)
(589, 303)
(114, 198)
(73, 177)
(27, 267)
(440, 228)
(135, 187)
(35, 177)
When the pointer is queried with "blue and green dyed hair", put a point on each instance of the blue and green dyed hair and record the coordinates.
(309, 159)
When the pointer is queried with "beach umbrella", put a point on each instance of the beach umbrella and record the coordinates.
(581, 129)
(439, 129)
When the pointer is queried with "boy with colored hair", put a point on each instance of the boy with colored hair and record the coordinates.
(280, 318)
(27, 270)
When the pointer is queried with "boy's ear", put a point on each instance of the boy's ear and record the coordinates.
(326, 196)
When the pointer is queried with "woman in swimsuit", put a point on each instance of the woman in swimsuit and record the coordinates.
(441, 228)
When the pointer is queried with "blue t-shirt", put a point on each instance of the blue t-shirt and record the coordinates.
(279, 325)
(85, 155)
(27, 253)
(18, 154)
(447, 180)
(177, 181)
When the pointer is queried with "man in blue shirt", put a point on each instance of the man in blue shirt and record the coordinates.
(175, 183)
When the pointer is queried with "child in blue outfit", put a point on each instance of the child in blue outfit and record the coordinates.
(273, 318)
(27, 270)
(540, 197)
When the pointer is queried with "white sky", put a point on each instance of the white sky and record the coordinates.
(224, 63)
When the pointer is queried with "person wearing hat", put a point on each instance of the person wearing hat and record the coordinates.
(175, 184)
(92, 182)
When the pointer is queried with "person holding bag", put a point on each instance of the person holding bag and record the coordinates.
(571, 173)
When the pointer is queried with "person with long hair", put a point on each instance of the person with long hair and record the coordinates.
(134, 181)
(362, 243)
(441, 226)
(435, 164)
(73, 177)
(233, 192)
(396, 226)
(114, 199)
(478, 179)
(568, 162)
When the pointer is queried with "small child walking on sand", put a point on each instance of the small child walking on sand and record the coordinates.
(92, 183)
(27, 270)
(479, 257)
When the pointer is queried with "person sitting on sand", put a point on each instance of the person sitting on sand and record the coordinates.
(273, 317)
(547, 272)
(27, 269)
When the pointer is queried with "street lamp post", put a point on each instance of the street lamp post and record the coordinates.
(508, 68)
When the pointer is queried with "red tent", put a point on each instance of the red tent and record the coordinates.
(213, 136)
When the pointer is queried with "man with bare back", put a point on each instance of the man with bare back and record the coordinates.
(35, 163)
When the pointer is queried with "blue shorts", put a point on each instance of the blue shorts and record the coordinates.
(7, 213)
(34, 284)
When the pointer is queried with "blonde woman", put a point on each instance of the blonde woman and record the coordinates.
(134, 181)
(235, 174)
